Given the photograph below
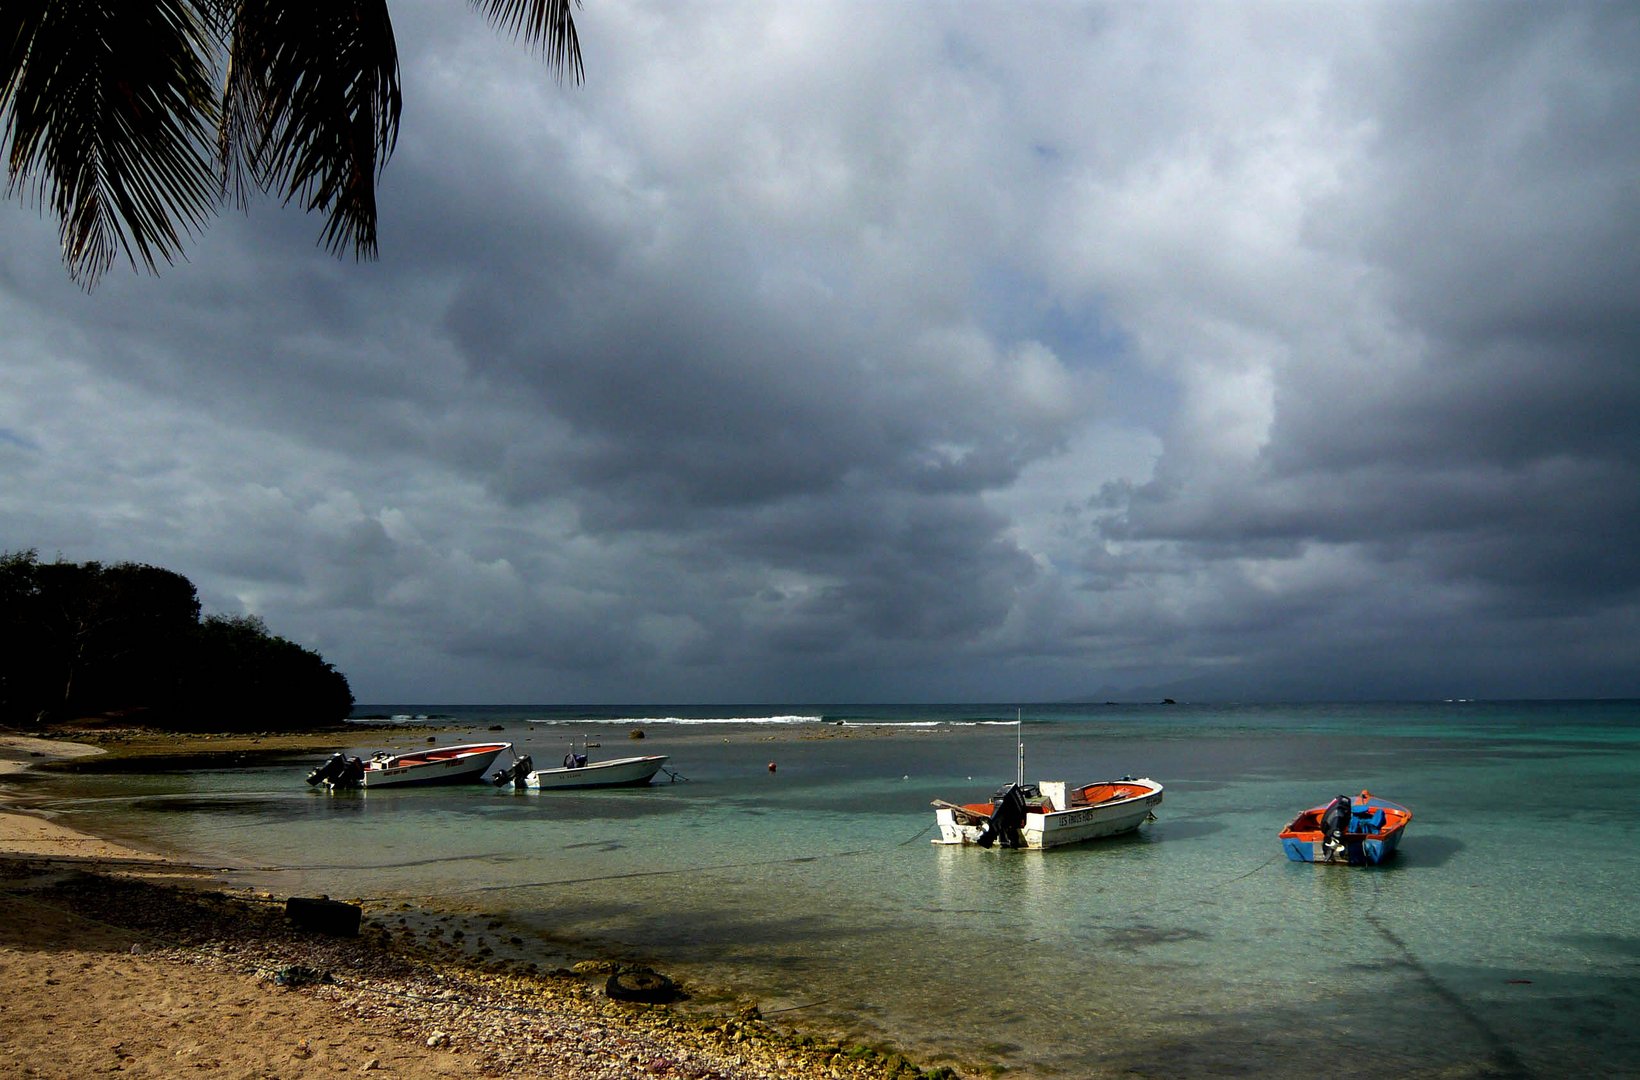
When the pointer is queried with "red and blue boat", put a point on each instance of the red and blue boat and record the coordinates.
(1360, 831)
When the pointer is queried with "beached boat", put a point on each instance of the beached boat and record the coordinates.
(434, 765)
(577, 772)
(1049, 813)
(1363, 831)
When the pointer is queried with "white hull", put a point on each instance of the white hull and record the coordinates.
(620, 772)
(435, 765)
(1049, 827)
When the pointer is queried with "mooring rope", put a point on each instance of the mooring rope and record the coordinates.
(1507, 1062)
(783, 860)
(1202, 894)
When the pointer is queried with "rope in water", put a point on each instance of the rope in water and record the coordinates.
(667, 872)
(1507, 1062)
(1211, 890)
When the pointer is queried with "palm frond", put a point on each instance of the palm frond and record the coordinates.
(311, 108)
(545, 24)
(107, 107)
(19, 21)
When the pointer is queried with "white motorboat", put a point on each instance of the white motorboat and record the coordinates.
(433, 765)
(579, 773)
(1049, 813)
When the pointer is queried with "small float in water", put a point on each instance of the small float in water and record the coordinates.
(1363, 831)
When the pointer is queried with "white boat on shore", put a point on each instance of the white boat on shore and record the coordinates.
(1049, 813)
(463, 763)
(577, 772)
(616, 772)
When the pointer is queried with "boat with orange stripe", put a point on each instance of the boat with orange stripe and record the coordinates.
(1360, 831)
(434, 765)
(1048, 813)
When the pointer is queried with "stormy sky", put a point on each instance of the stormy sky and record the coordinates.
(892, 351)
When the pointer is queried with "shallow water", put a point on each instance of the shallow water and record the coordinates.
(1503, 940)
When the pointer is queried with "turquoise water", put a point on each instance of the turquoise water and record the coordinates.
(1503, 941)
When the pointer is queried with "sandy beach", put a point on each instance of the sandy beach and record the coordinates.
(121, 960)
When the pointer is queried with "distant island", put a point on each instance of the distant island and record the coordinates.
(126, 643)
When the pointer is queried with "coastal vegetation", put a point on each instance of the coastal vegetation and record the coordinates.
(123, 119)
(127, 642)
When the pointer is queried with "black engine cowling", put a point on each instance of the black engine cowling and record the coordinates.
(339, 771)
(1335, 819)
(328, 770)
(515, 773)
(1008, 810)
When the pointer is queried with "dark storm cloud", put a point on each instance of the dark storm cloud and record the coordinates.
(840, 353)
(1470, 431)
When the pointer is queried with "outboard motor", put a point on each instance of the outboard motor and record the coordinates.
(339, 771)
(1335, 820)
(515, 773)
(1007, 815)
(329, 770)
(352, 774)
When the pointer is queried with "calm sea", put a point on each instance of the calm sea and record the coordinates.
(1503, 941)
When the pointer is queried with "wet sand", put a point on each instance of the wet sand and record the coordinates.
(118, 959)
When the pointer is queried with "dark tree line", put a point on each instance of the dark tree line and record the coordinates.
(126, 640)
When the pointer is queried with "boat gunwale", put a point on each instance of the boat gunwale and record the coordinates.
(1306, 826)
(1152, 790)
(436, 755)
(591, 765)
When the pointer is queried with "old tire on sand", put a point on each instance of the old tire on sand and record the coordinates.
(641, 984)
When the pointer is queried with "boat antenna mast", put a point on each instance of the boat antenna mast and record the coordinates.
(1019, 736)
